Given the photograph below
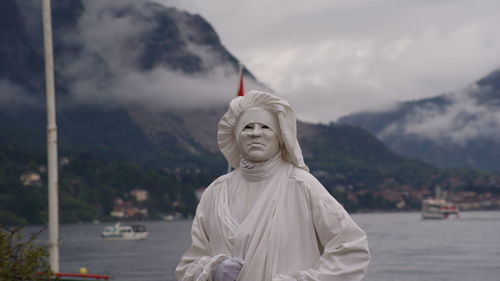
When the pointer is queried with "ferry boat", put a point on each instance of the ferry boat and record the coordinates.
(438, 208)
(124, 232)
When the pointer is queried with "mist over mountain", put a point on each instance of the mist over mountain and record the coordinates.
(458, 129)
(134, 80)
(118, 52)
(128, 66)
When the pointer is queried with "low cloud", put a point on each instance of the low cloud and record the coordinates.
(328, 58)
(105, 72)
(161, 89)
(331, 58)
(12, 95)
(462, 120)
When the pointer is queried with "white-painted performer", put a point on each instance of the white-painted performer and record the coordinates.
(269, 219)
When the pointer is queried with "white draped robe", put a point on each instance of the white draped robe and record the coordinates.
(281, 221)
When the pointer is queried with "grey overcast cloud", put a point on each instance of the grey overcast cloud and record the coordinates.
(330, 57)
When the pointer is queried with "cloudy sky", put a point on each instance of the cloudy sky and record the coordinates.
(332, 57)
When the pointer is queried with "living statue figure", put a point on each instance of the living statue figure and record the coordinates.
(269, 219)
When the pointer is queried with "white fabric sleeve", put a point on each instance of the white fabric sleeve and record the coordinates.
(345, 254)
(197, 263)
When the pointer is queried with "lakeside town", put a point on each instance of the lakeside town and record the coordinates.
(406, 199)
(390, 195)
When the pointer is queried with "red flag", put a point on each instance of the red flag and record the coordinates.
(241, 91)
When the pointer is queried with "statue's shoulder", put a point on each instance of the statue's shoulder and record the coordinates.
(210, 193)
(221, 180)
(216, 183)
(303, 176)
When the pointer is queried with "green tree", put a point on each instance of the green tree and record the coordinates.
(21, 258)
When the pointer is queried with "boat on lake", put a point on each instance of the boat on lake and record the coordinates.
(124, 232)
(438, 208)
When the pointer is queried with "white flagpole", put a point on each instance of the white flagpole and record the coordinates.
(51, 139)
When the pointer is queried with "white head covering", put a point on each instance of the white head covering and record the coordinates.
(287, 122)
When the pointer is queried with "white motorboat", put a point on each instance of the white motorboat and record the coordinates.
(124, 232)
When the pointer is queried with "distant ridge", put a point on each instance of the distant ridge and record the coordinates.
(459, 129)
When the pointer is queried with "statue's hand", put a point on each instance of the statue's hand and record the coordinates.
(227, 270)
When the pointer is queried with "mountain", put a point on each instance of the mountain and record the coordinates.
(95, 81)
(140, 89)
(459, 129)
(132, 71)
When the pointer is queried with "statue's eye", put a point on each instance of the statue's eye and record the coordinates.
(265, 127)
(248, 127)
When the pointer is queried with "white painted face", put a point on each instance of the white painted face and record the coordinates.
(258, 143)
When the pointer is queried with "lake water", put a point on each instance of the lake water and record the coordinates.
(403, 246)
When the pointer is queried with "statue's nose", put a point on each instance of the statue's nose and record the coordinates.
(256, 131)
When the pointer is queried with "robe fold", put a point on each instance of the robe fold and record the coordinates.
(281, 222)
